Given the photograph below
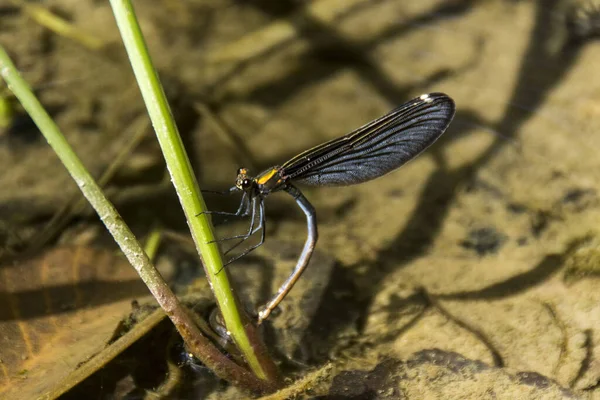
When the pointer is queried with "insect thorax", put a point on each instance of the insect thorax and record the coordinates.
(269, 180)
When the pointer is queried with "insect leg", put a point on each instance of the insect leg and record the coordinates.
(242, 210)
(219, 192)
(302, 263)
(246, 235)
(261, 227)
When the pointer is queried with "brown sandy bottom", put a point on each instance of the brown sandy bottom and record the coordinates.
(470, 273)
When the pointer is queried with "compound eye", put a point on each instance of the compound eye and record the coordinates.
(246, 183)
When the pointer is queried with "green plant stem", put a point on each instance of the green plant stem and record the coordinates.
(242, 331)
(201, 346)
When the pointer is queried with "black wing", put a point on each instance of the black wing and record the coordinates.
(376, 148)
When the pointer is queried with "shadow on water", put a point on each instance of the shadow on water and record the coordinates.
(539, 66)
(331, 52)
(541, 70)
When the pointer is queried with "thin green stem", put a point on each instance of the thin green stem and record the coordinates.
(242, 331)
(128, 243)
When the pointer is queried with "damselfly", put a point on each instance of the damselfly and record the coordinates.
(367, 153)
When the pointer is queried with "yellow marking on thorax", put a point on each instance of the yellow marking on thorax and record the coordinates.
(265, 178)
